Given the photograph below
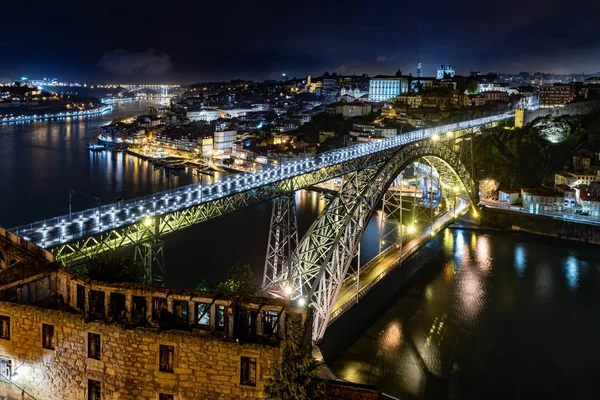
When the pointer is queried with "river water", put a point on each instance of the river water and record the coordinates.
(487, 316)
(471, 315)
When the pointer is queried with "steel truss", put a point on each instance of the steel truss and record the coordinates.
(282, 248)
(150, 253)
(331, 242)
(391, 215)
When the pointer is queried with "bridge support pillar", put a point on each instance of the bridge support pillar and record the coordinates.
(282, 248)
(150, 254)
(390, 219)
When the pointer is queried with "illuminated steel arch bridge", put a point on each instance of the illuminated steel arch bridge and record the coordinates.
(312, 270)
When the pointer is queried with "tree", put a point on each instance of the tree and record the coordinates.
(472, 86)
(239, 280)
(110, 266)
(295, 375)
(461, 83)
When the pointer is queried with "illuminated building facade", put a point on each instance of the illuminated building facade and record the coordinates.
(386, 88)
(445, 71)
(223, 141)
(203, 115)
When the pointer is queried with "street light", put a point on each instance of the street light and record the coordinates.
(454, 211)
(287, 290)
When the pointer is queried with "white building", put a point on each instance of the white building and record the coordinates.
(223, 141)
(203, 115)
(492, 87)
(385, 88)
(591, 206)
(542, 199)
(205, 145)
(588, 197)
(508, 196)
(373, 131)
(445, 71)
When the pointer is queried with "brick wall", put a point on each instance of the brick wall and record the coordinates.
(205, 367)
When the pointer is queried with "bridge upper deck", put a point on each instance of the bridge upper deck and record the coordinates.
(145, 217)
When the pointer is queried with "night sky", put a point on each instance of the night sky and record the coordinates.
(187, 41)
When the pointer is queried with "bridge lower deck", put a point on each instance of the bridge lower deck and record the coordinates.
(386, 261)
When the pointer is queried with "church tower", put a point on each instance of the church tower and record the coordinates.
(419, 74)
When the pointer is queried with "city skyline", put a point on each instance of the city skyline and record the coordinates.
(264, 41)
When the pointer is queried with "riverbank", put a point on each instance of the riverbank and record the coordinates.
(542, 225)
(67, 114)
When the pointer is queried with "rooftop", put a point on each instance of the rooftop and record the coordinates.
(542, 191)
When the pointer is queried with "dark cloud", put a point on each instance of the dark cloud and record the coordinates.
(147, 62)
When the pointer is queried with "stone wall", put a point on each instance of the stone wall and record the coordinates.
(205, 367)
(14, 248)
(540, 225)
(580, 108)
(351, 391)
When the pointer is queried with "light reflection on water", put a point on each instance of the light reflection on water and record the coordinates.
(476, 321)
(41, 161)
(520, 261)
(572, 273)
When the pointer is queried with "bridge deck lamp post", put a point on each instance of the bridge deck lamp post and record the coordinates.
(454, 211)
(401, 222)
(358, 273)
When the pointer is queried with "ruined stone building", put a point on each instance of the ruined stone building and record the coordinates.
(65, 336)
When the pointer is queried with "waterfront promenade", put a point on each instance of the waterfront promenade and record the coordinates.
(66, 114)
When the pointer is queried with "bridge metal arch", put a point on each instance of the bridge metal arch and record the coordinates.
(327, 249)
